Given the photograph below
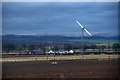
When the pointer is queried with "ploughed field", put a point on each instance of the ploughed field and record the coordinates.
(81, 68)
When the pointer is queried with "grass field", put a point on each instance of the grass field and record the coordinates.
(58, 57)
(95, 41)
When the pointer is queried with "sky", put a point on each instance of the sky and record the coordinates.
(59, 18)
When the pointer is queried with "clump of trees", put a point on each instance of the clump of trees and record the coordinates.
(101, 48)
(31, 47)
(9, 47)
(68, 47)
(93, 47)
(44, 49)
(116, 47)
(56, 48)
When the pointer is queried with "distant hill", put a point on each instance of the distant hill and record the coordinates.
(28, 39)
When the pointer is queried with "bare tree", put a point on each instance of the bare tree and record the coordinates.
(103, 47)
(44, 49)
(56, 48)
(68, 47)
(31, 48)
(115, 47)
(99, 48)
(20, 48)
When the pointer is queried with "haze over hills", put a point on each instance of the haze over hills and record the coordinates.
(59, 36)
(99, 35)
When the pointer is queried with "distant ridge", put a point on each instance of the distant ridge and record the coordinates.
(47, 39)
(60, 36)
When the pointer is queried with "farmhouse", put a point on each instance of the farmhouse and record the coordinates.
(71, 51)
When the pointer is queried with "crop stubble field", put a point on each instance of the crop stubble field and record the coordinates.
(19, 58)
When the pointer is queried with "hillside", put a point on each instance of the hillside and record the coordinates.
(29, 39)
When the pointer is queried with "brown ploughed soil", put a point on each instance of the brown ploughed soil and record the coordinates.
(88, 68)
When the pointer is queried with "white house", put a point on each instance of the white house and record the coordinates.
(50, 51)
(71, 51)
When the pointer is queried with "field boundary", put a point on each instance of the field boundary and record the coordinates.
(68, 57)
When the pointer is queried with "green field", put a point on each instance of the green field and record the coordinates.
(103, 41)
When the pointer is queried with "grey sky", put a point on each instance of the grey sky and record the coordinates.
(53, 18)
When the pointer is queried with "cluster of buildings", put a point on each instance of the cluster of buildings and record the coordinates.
(71, 51)
(47, 52)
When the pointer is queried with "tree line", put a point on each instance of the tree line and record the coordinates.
(12, 47)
